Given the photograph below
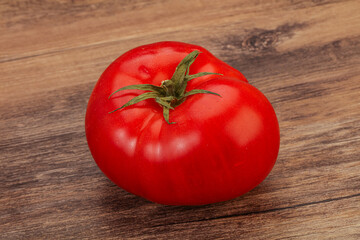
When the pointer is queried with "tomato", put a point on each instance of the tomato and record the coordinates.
(178, 149)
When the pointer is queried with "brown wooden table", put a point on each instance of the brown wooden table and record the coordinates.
(303, 55)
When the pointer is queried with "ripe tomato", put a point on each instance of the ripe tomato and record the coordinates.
(206, 149)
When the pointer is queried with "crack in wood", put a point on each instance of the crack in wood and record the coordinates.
(263, 211)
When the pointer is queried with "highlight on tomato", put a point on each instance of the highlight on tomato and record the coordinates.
(173, 124)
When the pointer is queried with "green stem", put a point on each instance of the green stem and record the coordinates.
(172, 92)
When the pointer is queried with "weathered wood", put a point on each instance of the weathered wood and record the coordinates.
(303, 55)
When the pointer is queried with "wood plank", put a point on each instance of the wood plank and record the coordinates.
(34, 28)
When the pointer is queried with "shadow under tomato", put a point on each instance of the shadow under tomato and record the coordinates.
(115, 199)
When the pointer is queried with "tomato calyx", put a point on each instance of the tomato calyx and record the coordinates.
(171, 93)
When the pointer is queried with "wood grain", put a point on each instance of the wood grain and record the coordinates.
(303, 55)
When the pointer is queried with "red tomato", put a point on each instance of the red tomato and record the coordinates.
(218, 148)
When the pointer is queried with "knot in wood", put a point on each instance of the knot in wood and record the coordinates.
(259, 42)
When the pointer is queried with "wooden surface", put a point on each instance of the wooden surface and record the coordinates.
(303, 55)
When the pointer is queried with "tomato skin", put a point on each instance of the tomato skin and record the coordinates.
(219, 148)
